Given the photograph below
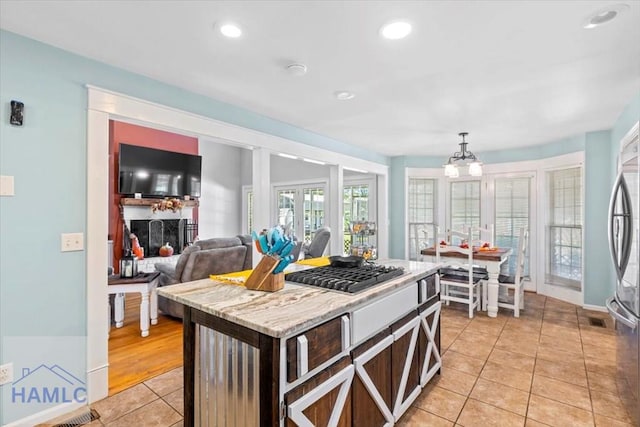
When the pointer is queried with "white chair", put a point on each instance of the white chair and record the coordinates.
(515, 283)
(485, 235)
(456, 284)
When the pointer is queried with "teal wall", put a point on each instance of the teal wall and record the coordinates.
(598, 277)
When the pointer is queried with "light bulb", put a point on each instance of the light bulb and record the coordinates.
(475, 169)
(451, 171)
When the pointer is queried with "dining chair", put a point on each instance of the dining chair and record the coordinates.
(456, 284)
(515, 282)
(485, 235)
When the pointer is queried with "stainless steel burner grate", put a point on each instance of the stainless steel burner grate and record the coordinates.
(350, 280)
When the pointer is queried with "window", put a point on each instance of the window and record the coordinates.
(249, 211)
(512, 210)
(313, 211)
(465, 205)
(421, 213)
(564, 228)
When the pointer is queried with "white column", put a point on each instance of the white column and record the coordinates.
(383, 216)
(261, 180)
(335, 214)
(96, 255)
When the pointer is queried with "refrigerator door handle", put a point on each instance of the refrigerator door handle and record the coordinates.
(620, 256)
(613, 306)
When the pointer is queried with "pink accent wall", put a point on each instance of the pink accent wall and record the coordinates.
(120, 132)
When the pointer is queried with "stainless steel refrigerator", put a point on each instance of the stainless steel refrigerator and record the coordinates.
(624, 306)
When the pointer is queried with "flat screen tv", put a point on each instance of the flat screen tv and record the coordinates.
(158, 173)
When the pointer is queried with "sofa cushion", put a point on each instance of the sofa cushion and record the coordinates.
(182, 261)
(214, 261)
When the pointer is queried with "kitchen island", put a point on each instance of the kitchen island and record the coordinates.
(308, 356)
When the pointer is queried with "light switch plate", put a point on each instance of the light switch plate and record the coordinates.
(6, 186)
(72, 242)
(6, 373)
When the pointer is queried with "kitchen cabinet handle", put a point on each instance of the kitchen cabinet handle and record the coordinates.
(613, 306)
(303, 355)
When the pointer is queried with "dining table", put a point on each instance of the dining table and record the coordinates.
(492, 259)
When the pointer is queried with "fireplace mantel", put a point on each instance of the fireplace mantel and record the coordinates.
(130, 201)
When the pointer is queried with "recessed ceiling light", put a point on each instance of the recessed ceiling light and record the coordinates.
(230, 30)
(297, 69)
(604, 15)
(396, 30)
(287, 156)
(344, 95)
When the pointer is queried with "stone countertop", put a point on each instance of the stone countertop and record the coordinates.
(286, 312)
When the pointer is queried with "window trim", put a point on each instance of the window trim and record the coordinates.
(565, 161)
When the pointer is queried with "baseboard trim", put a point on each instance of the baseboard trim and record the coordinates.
(595, 307)
(47, 415)
(98, 383)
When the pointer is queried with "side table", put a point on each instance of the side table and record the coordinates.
(145, 284)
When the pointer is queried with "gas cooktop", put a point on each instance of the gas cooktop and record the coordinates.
(350, 280)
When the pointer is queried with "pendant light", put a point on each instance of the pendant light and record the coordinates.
(465, 158)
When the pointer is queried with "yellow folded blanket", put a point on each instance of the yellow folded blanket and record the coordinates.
(239, 277)
(315, 262)
(235, 278)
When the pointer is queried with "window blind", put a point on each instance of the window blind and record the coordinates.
(421, 214)
(512, 212)
(564, 228)
(465, 205)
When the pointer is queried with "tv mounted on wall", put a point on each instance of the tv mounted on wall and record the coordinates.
(158, 173)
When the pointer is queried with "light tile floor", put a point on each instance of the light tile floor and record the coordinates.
(550, 367)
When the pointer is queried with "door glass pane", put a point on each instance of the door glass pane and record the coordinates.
(313, 211)
(249, 211)
(286, 208)
(511, 214)
(356, 208)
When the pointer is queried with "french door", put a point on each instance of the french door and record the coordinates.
(505, 200)
(359, 204)
(301, 208)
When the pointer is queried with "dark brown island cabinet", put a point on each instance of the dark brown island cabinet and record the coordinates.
(306, 356)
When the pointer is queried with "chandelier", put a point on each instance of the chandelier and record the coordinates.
(463, 157)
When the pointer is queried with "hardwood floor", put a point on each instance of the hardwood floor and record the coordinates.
(133, 359)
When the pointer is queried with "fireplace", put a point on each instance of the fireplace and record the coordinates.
(153, 233)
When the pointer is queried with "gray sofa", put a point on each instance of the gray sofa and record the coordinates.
(211, 256)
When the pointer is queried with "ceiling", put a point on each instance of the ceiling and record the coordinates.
(512, 74)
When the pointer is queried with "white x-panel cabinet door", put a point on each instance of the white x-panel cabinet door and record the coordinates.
(400, 406)
(362, 373)
(342, 379)
(432, 346)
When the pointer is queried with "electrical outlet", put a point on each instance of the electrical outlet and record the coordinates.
(71, 242)
(6, 373)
